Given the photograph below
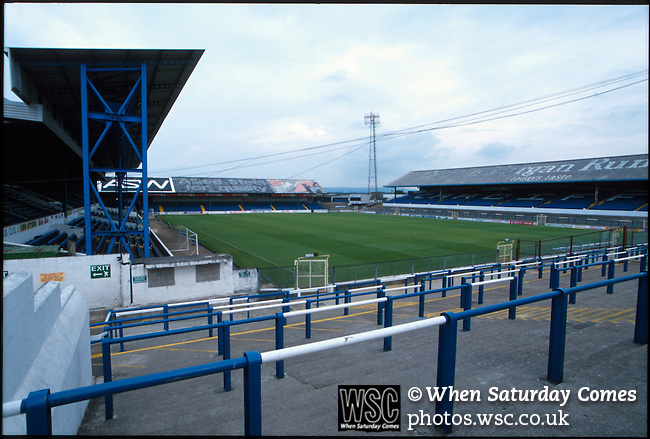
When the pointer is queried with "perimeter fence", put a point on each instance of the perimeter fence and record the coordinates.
(284, 277)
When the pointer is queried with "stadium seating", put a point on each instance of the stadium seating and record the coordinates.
(180, 207)
(488, 200)
(17, 208)
(223, 207)
(571, 201)
(529, 200)
(251, 206)
(624, 201)
(629, 201)
(311, 206)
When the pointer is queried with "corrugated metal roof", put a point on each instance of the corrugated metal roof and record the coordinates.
(51, 77)
(617, 168)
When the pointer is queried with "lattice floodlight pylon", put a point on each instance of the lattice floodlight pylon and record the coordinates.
(115, 97)
(311, 271)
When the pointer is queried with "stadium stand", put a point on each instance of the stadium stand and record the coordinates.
(623, 201)
(613, 189)
(222, 195)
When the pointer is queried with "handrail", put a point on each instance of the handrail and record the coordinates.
(301, 312)
(274, 305)
(38, 404)
(12, 408)
(239, 305)
(491, 281)
(556, 261)
(294, 351)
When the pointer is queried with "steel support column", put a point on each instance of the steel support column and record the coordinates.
(117, 119)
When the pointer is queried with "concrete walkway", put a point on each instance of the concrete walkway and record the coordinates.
(495, 357)
(174, 240)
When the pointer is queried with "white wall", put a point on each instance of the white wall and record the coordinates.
(185, 287)
(99, 292)
(127, 283)
(45, 344)
(246, 280)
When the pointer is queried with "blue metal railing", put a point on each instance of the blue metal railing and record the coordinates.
(374, 287)
(38, 404)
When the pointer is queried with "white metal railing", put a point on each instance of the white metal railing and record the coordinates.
(247, 304)
(346, 340)
(629, 258)
(275, 305)
(370, 288)
(301, 312)
(405, 287)
(491, 281)
(11, 408)
(160, 308)
(299, 291)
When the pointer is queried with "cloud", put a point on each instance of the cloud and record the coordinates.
(292, 132)
(279, 77)
(496, 151)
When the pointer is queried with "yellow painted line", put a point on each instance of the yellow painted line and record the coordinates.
(632, 318)
(297, 325)
(442, 298)
(497, 315)
(608, 316)
(98, 355)
(532, 312)
(154, 347)
(538, 313)
(577, 313)
(600, 313)
(588, 316)
(189, 350)
(121, 365)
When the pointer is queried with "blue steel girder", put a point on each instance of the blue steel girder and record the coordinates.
(110, 117)
(115, 231)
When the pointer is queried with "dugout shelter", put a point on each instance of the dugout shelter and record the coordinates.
(594, 192)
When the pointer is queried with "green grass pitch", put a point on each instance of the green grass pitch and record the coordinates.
(267, 240)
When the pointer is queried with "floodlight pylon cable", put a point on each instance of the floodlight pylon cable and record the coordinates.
(327, 162)
(534, 101)
(473, 118)
(488, 119)
(248, 164)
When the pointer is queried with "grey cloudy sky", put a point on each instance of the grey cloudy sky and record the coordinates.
(279, 78)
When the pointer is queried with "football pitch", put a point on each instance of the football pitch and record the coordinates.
(266, 240)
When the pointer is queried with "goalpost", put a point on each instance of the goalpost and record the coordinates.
(504, 251)
(311, 271)
(190, 238)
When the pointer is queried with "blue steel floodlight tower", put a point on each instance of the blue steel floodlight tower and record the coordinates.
(122, 122)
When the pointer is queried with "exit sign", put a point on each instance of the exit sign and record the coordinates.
(100, 271)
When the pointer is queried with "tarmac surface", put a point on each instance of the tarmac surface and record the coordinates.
(496, 356)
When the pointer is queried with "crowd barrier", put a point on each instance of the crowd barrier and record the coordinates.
(38, 404)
